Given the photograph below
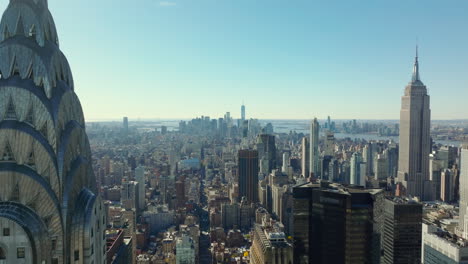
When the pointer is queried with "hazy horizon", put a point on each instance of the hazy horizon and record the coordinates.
(286, 60)
(130, 119)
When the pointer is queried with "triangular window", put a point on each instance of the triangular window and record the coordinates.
(47, 32)
(46, 175)
(30, 72)
(6, 32)
(32, 31)
(31, 160)
(10, 112)
(8, 153)
(33, 202)
(20, 27)
(15, 69)
(44, 130)
(30, 116)
(47, 219)
(15, 195)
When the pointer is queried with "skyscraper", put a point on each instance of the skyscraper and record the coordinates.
(367, 157)
(248, 175)
(266, 148)
(415, 141)
(402, 232)
(125, 124)
(314, 153)
(50, 208)
(358, 170)
(446, 186)
(463, 224)
(303, 229)
(129, 195)
(285, 166)
(305, 166)
(381, 166)
(180, 192)
(140, 178)
(230, 215)
(243, 112)
(392, 156)
(336, 224)
(329, 144)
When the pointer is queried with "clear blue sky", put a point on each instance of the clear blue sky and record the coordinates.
(285, 58)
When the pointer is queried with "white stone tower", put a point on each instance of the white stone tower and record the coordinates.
(415, 139)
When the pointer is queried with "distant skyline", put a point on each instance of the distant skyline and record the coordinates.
(179, 59)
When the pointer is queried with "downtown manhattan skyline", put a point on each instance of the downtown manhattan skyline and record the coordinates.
(348, 60)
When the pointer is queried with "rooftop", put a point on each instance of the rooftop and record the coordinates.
(401, 200)
(450, 237)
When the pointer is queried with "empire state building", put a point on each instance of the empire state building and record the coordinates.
(415, 141)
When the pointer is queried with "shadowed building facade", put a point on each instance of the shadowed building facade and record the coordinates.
(305, 160)
(402, 232)
(50, 211)
(337, 224)
(266, 148)
(314, 154)
(463, 224)
(415, 139)
(248, 175)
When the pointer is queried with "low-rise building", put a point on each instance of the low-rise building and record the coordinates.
(119, 247)
(270, 245)
(185, 250)
(440, 246)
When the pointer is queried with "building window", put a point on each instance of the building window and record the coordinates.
(2, 254)
(54, 243)
(20, 252)
(6, 231)
(77, 255)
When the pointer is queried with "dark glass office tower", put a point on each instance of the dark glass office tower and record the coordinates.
(302, 219)
(402, 232)
(336, 224)
(248, 175)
